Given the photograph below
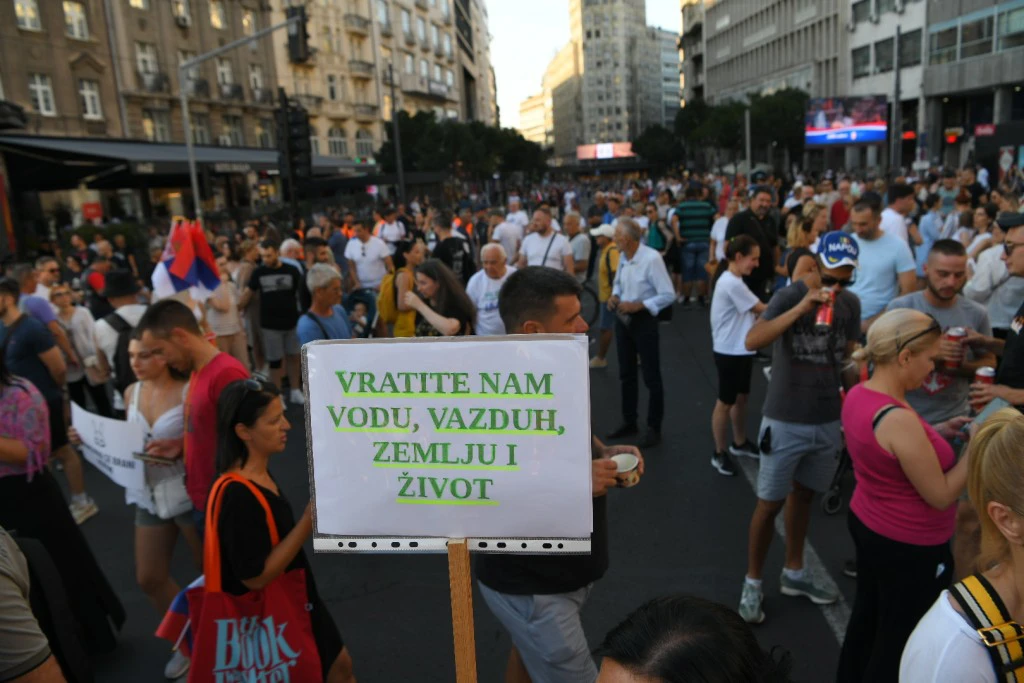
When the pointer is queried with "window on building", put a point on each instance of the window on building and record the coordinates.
(27, 15)
(447, 45)
(452, 114)
(327, 44)
(409, 63)
(883, 55)
(314, 143)
(976, 37)
(435, 35)
(145, 58)
(200, 129)
(406, 22)
(942, 46)
(382, 12)
(332, 87)
(138, 4)
(231, 129)
(40, 88)
(1011, 29)
(180, 8)
(265, 133)
(437, 73)
(76, 25)
(385, 109)
(449, 78)
(218, 16)
(184, 56)
(364, 143)
(356, 49)
(910, 48)
(89, 92)
(249, 27)
(421, 29)
(885, 6)
(225, 76)
(861, 58)
(446, 10)
(337, 143)
(424, 68)
(156, 125)
(256, 77)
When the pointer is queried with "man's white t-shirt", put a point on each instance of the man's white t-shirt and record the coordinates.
(392, 234)
(893, 223)
(732, 315)
(483, 291)
(944, 647)
(718, 235)
(519, 218)
(580, 244)
(509, 235)
(534, 247)
(106, 337)
(369, 259)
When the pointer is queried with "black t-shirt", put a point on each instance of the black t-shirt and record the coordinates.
(794, 257)
(976, 189)
(1011, 369)
(457, 254)
(549, 574)
(279, 295)
(765, 232)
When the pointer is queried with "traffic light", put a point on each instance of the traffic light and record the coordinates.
(298, 36)
(295, 152)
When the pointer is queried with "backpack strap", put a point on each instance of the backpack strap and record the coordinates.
(211, 550)
(1000, 635)
(315, 318)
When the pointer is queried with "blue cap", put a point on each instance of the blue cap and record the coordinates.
(837, 249)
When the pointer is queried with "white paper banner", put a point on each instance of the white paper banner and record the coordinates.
(109, 444)
(464, 437)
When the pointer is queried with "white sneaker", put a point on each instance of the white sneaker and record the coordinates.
(84, 511)
(596, 362)
(177, 666)
(297, 398)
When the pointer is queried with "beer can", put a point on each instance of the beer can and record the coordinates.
(985, 376)
(957, 335)
(826, 311)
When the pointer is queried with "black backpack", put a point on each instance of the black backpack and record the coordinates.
(124, 376)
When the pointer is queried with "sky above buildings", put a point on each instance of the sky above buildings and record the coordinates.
(526, 34)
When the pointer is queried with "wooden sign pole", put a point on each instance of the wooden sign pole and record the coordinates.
(460, 578)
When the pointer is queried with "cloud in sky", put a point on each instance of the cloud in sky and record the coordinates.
(526, 35)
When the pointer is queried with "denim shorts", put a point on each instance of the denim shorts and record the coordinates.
(694, 256)
(608, 317)
(547, 632)
(808, 454)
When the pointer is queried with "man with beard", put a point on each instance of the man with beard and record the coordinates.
(169, 328)
(758, 223)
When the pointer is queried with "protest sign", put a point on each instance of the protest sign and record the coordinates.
(477, 438)
(109, 444)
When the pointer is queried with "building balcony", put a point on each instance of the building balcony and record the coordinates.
(365, 112)
(232, 91)
(447, 18)
(438, 51)
(360, 69)
(197, 87)
(310, 103)
(425, 45)
(262, 96)
(336, 109)
(357, 24)
(426, 87)
(153, 82)
(385, 29)
(422, 4)
(410, 39)
(450, 56)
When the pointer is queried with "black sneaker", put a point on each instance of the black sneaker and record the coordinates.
(627, 429)
(724, 466)
(850, 569)
(650, 439)
(745, 449)
(702, 301)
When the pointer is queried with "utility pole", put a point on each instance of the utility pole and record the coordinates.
(282, 99)
(396, 136)
(897, 111)
(746, 137)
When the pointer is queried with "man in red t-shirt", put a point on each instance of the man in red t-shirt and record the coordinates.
(170, 329)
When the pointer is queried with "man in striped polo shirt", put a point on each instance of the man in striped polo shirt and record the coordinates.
(692, 221)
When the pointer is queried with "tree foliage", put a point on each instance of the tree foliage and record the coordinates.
(467, 150)
(781, 116)
(659, 146)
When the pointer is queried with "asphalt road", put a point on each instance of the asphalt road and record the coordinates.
(682, 530)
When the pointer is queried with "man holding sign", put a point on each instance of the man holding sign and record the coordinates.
(538, 598)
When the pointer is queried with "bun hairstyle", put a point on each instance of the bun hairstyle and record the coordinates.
(996, 475)
(899, 329)
(741, 245)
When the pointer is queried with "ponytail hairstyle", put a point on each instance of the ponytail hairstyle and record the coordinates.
(996, 475)
(741, 245)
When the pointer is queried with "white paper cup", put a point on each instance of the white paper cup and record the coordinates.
(627, 472)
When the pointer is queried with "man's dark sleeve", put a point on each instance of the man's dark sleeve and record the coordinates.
(735, 227)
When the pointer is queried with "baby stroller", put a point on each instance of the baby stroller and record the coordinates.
(368, 298)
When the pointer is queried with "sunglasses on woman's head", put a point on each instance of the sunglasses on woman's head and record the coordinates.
(934, 327)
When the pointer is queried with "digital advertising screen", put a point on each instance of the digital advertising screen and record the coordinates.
(846, 120)
(605, 150)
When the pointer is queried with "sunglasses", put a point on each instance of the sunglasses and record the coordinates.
(931, 329)
(829, 281)
(1009, 246)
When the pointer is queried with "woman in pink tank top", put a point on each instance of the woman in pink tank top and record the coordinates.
(903, 509)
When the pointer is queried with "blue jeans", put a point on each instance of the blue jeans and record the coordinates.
(694, 256)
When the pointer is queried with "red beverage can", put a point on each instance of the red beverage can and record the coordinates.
(957, 335)
(983, 376)
(826, 311)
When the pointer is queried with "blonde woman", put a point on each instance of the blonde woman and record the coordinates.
(946, 646)
(903, 509)
(802, 241)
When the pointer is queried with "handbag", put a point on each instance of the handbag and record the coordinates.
(264, 635)
(170, 497)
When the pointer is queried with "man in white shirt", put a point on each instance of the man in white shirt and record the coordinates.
(484, 286)
(894, 218)
(642, 289)
(47, 275)
(510, 236)
(544, 246)
(391, 231)
(580, 244)
(516, 214)
(368, 258)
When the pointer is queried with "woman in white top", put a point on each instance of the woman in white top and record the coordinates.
(224, 318)
(733, 311)
(717, 250)
(78, 324)
(945, 646)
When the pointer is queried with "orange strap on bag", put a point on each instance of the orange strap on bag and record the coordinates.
(211, 547)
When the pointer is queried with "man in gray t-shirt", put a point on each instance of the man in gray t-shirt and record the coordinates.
(24, 649)
(944, 393)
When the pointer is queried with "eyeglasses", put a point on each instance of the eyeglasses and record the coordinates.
(64, 293)
(1009, 246)
(931, 329)
(829, 281)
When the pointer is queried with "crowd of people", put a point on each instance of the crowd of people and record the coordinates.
(888, 314)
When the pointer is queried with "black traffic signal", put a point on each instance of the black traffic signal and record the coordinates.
(293, 139)
(298, 36)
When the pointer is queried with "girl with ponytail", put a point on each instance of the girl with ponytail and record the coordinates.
(733, 311)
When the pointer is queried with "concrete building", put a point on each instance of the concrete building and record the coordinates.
(477, 83)
(563, 81)
(669, 92)
(533, 117)
(691, 43)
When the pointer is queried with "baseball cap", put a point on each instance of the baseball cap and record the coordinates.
(837, 249)
(604, 230)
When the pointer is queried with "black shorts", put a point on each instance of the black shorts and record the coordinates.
(58, 427)
(733, 376)
(671, 259)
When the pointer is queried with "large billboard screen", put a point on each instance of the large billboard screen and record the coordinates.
(605, 150)
(846, 120)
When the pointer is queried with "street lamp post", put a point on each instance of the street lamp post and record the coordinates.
(397, 136)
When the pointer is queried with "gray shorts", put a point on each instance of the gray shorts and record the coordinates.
(807, 454)
(279, 343)
(547, 632)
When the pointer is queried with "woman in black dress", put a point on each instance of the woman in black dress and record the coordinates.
(443, 309)
(252, 427)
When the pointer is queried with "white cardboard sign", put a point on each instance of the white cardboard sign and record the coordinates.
(108, 444)
(478, 437)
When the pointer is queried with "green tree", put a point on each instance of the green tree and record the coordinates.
(723, 127)
(780, 116)
(689, 124)
(659, 146)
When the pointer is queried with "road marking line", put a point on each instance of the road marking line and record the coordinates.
(837, 614)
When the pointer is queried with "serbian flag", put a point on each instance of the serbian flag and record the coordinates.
(187, 263)
(176, 626)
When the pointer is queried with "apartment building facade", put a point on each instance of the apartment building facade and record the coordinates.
(691, 45)
(667, 83)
